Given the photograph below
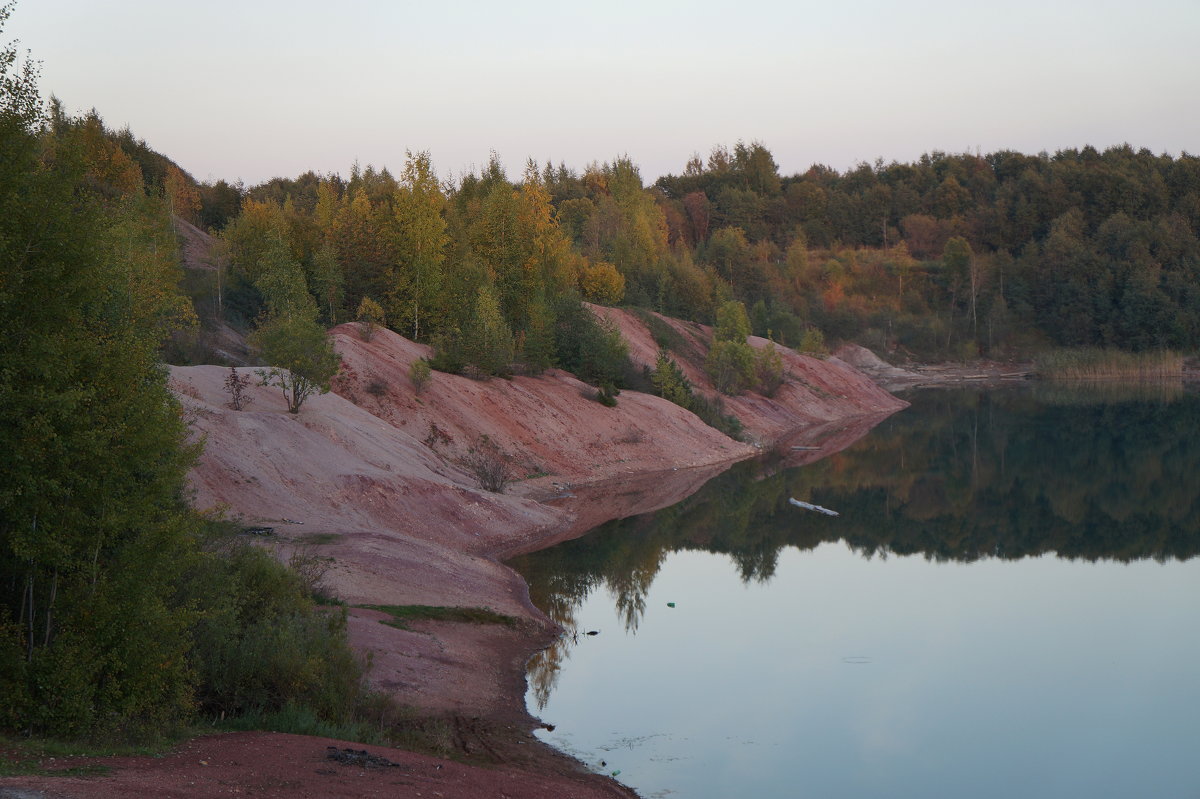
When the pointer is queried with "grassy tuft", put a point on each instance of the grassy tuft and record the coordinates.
(402, 615)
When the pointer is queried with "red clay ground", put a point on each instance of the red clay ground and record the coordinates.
(372, 477)
(273, 766)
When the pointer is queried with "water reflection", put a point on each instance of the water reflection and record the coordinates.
(961, 476)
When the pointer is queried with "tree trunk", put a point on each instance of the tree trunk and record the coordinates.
(29, 616)
(50, 608)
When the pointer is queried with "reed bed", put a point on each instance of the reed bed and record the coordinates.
(1090, 363)
(1085, 393)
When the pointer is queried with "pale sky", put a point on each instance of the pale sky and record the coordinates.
(252, 89)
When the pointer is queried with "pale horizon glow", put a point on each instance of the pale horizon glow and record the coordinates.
(250, 91)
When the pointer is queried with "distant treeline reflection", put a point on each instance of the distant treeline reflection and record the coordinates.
(959, 476)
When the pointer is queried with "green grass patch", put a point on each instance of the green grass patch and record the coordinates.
(47, 757)
(1091, 363)
(53, 747)
(403, 615)
(298, 719)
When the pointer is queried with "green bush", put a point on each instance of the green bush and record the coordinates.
(673, 385)
(712, 412)
(370, 317)
(730, 364)
(768, 370)
(607, 395)
(732, 323)
(812, 342)
(447, 353)
(419, 374)
(590, 349)
(262, 643)
(671, 382)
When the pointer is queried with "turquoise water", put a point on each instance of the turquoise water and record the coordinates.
(1007, 606)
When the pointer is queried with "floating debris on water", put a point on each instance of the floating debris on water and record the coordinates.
(810, 506)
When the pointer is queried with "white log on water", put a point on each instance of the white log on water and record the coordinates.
(810, 506)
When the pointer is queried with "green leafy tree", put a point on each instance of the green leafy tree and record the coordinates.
(496, 241)
(730, 362)
(731, 366)
(422, 241)
(93, 531)
(280, 284)
(601, 283)
(363, 246)
(732, 323)
(488, 343)
(256, 237)
(729, 251)
(538, 343)
(756, 168)
(182, 194)
(963, 275)
(301, 357)
(327, 281)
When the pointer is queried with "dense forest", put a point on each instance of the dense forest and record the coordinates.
(953, 256)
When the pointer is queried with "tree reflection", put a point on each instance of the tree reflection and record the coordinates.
(959, 476)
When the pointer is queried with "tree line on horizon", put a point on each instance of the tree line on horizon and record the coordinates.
(954, 255)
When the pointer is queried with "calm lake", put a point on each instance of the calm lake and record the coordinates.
(1008, 605)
